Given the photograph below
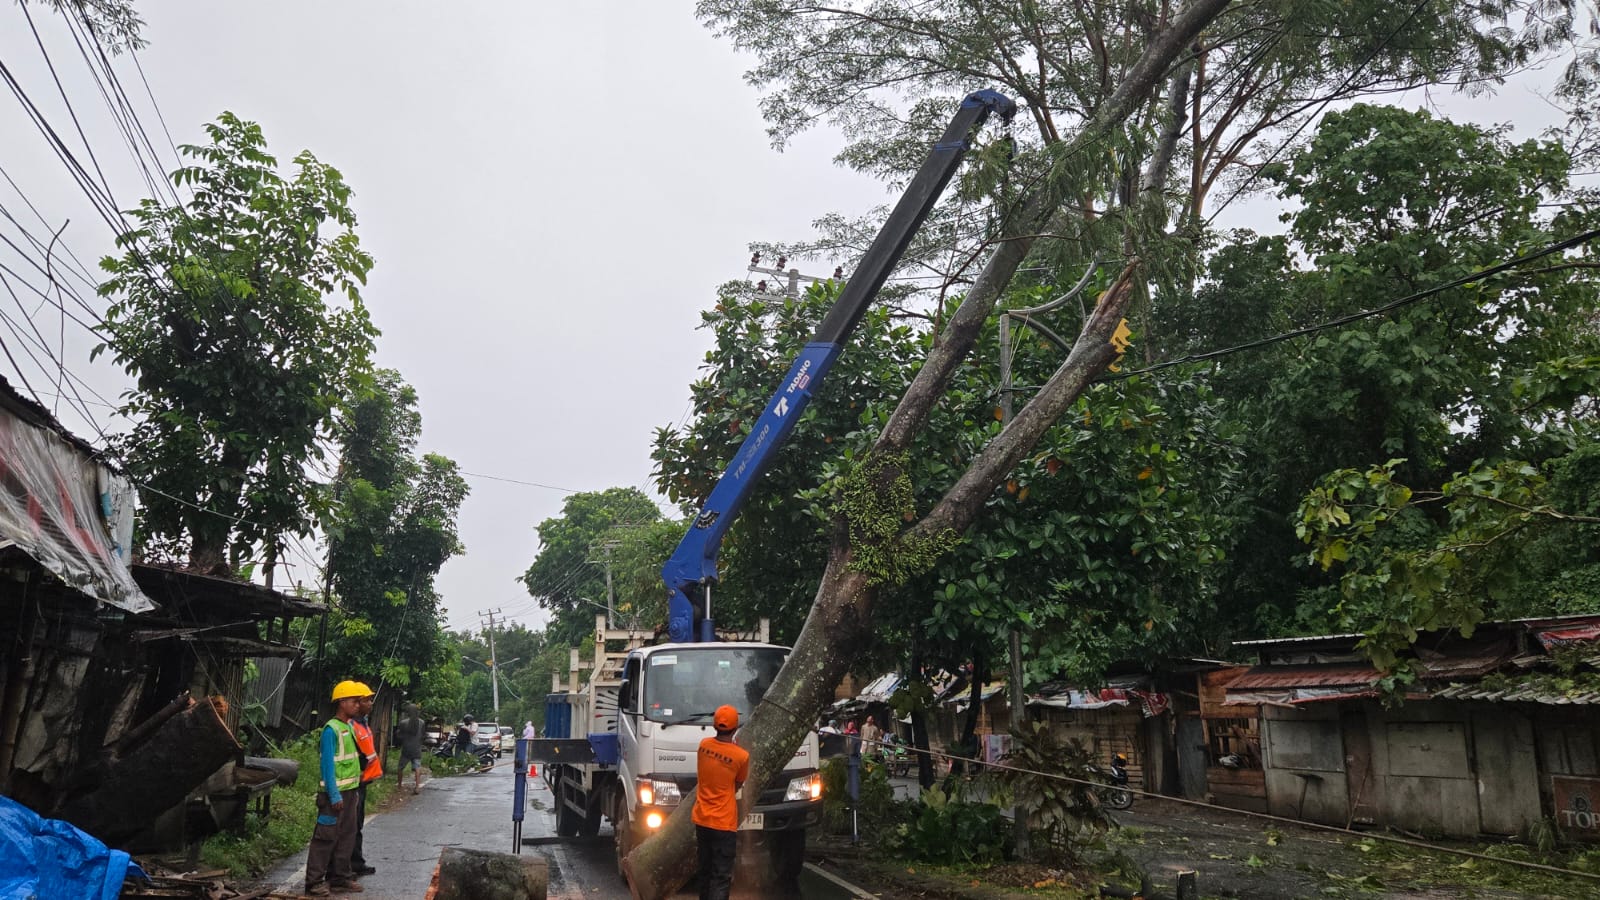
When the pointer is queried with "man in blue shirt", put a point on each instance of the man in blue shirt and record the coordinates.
(328, 867)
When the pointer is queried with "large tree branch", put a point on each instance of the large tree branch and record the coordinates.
(1090, 355)
(959, 336)
(841, 614)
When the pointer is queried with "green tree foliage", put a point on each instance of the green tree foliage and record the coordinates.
(568, 575)
(221, 310)
(115, 22)
(1504, 538)
(1388, 202)
(886, 73)
(395, 528)
(637, 558)
(1098, 547)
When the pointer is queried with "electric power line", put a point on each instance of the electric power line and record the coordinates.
(1565, 244)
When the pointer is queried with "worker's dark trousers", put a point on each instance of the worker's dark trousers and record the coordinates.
(717, 850)
(329, 857)
(358, 860)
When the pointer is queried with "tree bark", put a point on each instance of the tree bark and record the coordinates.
(919, 733)
(482, 875)
(148, 778)
(840, 620)
(968, 745)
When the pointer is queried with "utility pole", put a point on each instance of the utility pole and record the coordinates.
(1019, 697)
(611, 593)
(792, 278)
(494, 663)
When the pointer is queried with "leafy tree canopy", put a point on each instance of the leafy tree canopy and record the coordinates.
(568, 575)
(395, 527)
(222, 311)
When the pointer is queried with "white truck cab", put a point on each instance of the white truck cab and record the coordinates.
(658, 701)
(665, 702)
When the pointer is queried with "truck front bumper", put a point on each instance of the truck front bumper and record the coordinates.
(793, 815)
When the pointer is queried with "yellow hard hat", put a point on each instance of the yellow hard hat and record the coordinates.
(345, 689)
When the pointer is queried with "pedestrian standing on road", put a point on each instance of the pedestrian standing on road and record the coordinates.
(409, 736)
(328, 860)
(871, 735)
(371, 770)
(721, 770)
(529, 733)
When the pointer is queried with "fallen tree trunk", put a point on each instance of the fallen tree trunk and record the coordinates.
(482, 875)
(148, 778)
(840, 621)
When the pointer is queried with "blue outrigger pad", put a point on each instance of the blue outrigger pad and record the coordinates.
(48, 859)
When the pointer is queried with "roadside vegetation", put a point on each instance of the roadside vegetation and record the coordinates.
(287, 830)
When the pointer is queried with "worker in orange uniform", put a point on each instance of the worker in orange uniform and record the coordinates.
(722, 768)
(371, 770)
(328, 860)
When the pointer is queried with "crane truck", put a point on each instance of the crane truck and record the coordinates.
(623, 746)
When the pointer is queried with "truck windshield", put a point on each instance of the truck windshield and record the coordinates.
(687, 685)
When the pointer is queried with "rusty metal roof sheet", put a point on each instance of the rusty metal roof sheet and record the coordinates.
(1335, 675)
(1344, 675)
(1290, 641)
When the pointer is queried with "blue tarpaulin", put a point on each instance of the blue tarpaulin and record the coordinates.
(48, 859)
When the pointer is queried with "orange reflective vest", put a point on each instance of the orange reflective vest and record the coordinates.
(371, 765)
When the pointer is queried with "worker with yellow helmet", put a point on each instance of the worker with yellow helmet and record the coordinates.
(328, 867)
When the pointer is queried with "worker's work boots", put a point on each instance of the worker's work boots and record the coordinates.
(346, 887)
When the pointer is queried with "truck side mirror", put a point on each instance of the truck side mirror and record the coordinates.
(625, 697)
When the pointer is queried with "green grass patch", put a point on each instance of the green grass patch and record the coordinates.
(264, 841)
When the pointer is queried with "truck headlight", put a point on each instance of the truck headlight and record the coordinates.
(653, 791)
(806, 787)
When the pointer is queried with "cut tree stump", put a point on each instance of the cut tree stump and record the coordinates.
(482, 875)
(145, 780)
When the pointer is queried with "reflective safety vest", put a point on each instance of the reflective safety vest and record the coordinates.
(371, 765)
(346, 759)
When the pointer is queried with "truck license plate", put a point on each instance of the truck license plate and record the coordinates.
(753, 822)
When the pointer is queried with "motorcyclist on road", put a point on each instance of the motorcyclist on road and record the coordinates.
(464, 744)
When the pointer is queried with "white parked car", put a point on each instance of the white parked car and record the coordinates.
(487, 734)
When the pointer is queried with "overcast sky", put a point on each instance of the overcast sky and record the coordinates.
(552, 192)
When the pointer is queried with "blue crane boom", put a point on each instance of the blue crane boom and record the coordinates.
(692, 569)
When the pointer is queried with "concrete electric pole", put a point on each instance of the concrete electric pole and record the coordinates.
(791, 277)
(611, 593)
(1019, 696)
(494, 662)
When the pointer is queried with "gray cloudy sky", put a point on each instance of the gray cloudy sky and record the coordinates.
(552, 192)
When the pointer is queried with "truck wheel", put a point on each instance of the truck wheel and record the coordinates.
(566, 819)
(589, 825)
(788, 855)
(624, 830)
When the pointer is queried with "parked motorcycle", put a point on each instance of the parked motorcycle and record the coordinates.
(484, 755)
(897, 758)
(1114, 793)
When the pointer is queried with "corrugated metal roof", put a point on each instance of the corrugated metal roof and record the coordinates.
(1337, 675)
(1267, 677)
(1516, 694)
(880, 689)
(1567, 621)
(1267, 642)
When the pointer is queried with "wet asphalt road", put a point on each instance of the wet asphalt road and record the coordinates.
(474, 811)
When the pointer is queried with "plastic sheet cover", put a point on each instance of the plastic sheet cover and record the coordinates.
(47, 858)
(70, 514)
